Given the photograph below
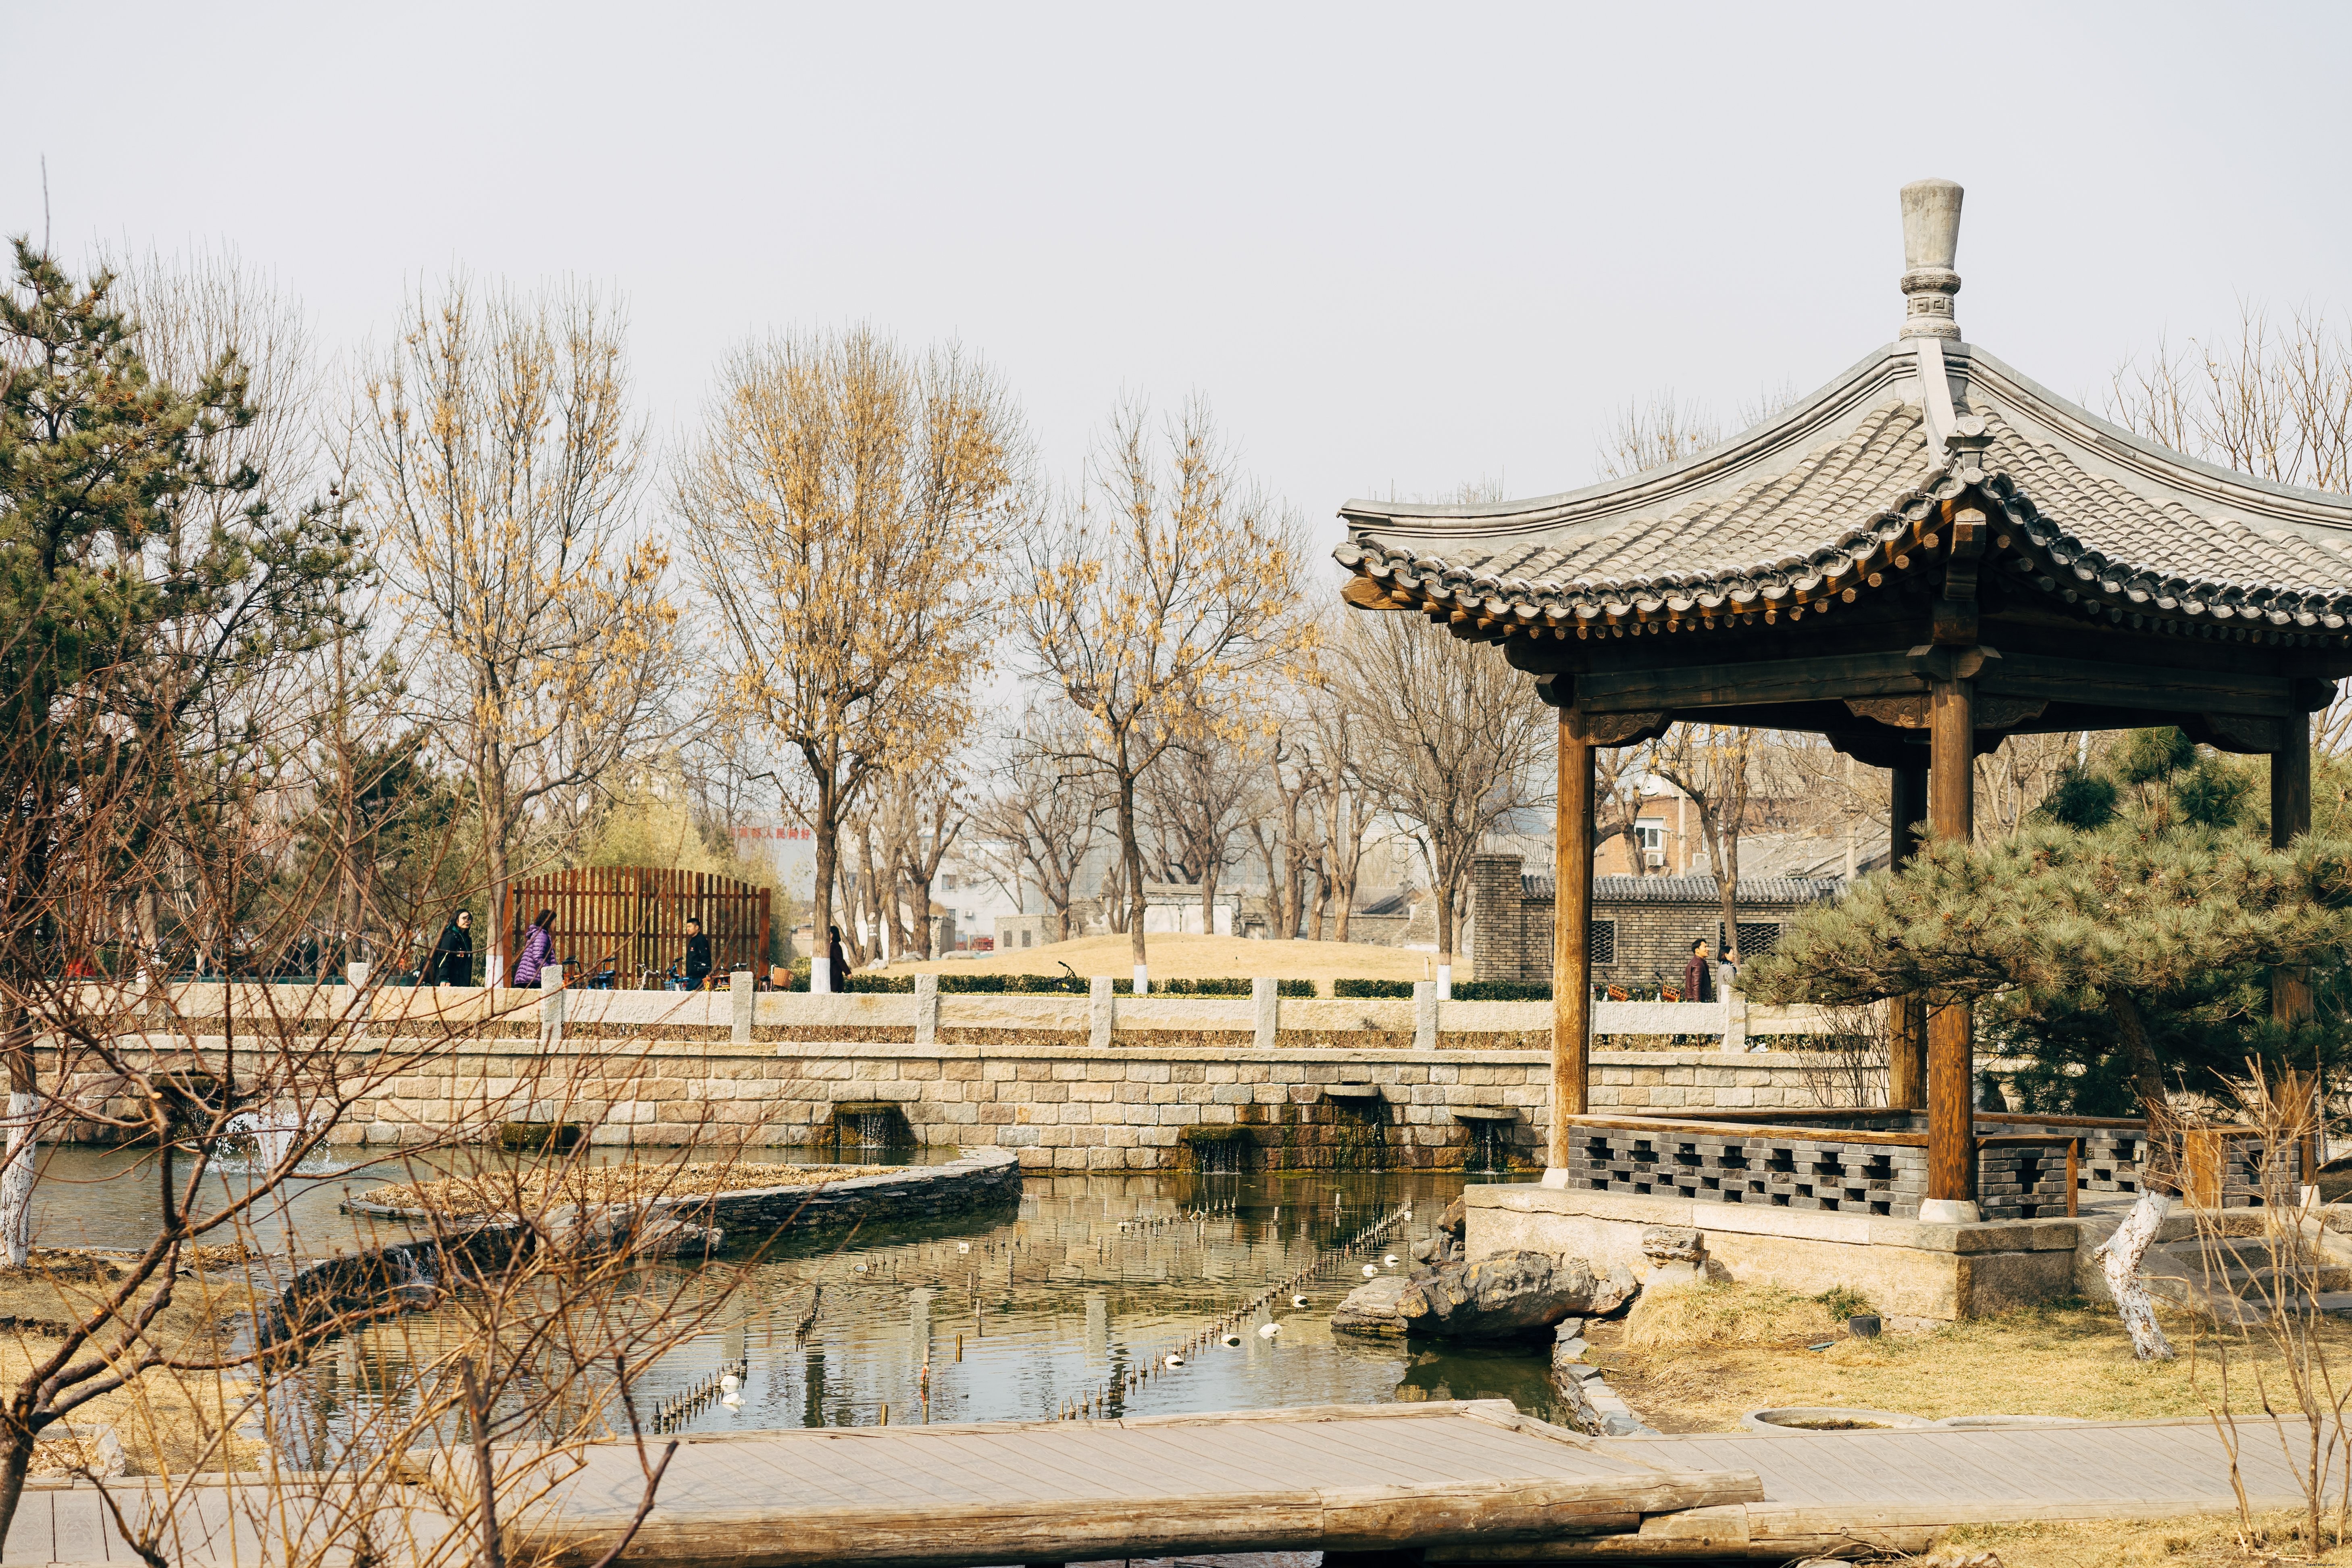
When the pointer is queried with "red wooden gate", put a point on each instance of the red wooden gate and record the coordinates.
(632, 919)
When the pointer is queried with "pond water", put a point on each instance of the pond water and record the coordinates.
(1016, 1314)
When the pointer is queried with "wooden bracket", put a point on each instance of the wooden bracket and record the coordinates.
(2313, 694)
(1622, 729)
(2248, 734)
(1938, 662)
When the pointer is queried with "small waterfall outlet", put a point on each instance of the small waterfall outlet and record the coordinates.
(870, 1126)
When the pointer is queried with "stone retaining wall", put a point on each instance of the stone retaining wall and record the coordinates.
(979, 1178)
(1060, 1107)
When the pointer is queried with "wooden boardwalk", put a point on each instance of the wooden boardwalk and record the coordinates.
(1895, 1489)
(1466, 1482)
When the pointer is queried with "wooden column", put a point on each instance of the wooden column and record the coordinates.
(1907, 1023)
(1571, 939)
(1951, 1047)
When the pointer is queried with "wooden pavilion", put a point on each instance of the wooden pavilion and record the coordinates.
(1927, 555)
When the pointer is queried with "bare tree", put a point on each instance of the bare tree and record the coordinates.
(1717, 766)
(1619, 773)
(925, 813)
(849, 508)
(1196, 800)
(502, 468)
(1347, 807)
(1041, 820)
(1286, 828)
(1169, 574)
(2273, 400)
(1449, 736)
(1650, 435)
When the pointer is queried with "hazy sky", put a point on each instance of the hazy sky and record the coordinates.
(1398, 248)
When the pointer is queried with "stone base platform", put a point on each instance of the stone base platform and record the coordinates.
(1908, 1269)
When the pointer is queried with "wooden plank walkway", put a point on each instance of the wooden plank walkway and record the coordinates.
(1467, 1482)
(1895, 1489)
(1338, 1477)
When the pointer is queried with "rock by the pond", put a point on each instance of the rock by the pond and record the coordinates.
(1371, 1308)
(1504, 1297)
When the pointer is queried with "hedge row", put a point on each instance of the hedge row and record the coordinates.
(1464, 990)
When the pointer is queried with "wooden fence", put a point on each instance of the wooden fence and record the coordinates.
(630, 920)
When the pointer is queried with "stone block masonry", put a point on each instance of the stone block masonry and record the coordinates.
(1059, 1107)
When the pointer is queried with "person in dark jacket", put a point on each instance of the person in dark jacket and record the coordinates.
(533, 960)
(453, 955)
(837, 961)
(697, 955)
(1698, 975)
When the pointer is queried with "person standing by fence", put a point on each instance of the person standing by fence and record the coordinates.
(1698, 975)
(453, 955)
(697, 955)
(533, 960)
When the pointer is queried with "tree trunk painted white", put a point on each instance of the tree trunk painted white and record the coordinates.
(2119, 1258)
(17, 1179)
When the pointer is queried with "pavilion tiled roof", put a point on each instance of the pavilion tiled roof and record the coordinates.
(1832, 502)
(1691, 887)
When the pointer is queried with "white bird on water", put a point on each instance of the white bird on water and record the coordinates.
(731, 1383)
(1369, 1270)
(1268, 1331)
(1390, 1260)
(1298, 1301)
(963, 1247)
(1175, 1361)
(1232, 1339)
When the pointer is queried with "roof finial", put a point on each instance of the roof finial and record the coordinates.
(1931, 237)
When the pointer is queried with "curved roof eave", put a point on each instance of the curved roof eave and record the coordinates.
(1791, 432)
(2112, 443)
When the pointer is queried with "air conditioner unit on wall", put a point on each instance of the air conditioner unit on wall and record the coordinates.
(1654, 858)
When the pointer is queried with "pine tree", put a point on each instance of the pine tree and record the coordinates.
(127, 612)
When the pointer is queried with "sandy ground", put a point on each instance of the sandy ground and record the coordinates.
(1198, 958)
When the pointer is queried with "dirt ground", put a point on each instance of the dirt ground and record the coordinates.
(1198, 958)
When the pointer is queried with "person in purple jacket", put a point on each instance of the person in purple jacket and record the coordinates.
(535, 943)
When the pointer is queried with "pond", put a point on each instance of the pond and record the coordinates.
(1015, 1313)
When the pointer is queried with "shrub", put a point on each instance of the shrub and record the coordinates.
(1066, 986)
(1385, 990)
(1502, 991)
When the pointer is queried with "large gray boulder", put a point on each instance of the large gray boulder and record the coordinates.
(1371, 1308)
(1508, 1296)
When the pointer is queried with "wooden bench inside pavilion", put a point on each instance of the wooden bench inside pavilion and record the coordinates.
(1926, 556)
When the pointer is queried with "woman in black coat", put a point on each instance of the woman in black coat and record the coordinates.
(453, 955)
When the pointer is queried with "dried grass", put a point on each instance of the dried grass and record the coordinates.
(1702, 1317)
(2139, 1544)
(539, 1187)
(2044, 1361)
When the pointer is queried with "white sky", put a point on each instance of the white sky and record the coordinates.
(1398, 248)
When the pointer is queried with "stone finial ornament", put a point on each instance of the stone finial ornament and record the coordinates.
(1931, 238)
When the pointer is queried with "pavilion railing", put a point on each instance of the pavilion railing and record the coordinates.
(1874, 1161)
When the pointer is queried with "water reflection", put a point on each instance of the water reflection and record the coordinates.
(1017, 1315)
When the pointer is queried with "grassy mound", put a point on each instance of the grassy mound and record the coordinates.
(491, 1192)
